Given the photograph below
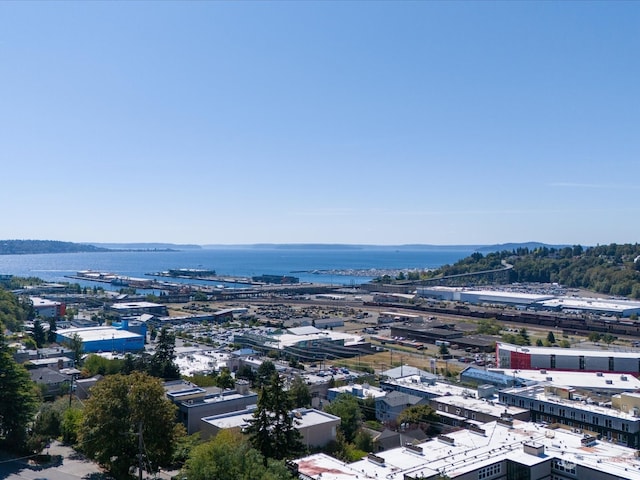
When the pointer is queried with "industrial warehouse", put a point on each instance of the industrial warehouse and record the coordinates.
(554, 358)
(535, 301)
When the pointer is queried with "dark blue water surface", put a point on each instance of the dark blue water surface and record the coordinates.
(300, 262)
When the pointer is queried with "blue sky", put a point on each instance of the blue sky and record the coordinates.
(320, 122)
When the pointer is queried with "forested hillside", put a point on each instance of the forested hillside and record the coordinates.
(18, 247)
(609, 269)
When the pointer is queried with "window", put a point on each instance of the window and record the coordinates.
(564, 466)
(490, 471)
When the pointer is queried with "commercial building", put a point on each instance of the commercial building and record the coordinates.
(195, 403)
(139, 308)
(48, 308)
(467, 410)
(618, 308)
(562, 405)
(103, 339)
(498, 297)
(571, 359)
(359, 391)
(307, 343)
(598, 383)
(502, 450)
(316, 428)
(500, 379)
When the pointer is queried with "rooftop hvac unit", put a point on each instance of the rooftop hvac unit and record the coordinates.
(609, 382)
(549, 379)
(599, 374)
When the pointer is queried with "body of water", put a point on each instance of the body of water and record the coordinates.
(299, 262)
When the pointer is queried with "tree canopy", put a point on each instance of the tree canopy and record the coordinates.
(120, 408)
(610, 269)
(229, 456)
(18, 400)
(346, 407)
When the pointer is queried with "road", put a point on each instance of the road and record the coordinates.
(68, 465)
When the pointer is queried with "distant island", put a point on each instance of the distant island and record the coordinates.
(25, 247)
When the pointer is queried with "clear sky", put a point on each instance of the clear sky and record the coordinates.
(320, 122)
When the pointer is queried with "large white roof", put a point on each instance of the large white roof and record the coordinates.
(303, 418)
(90, 334)
(559, 351)
(471, 451)
(597, 304)
(586, 380)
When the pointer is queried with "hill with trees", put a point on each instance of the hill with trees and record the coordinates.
(609, 269)
(24, 247)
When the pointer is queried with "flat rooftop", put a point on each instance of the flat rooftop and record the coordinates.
(303, 418)
(469, 451)
(129, 305)
(566, 352)
(90, 334)
(486, 406)
(438, 389)
(537, 392)
(586, 380)
(363, 391)
(597, 304)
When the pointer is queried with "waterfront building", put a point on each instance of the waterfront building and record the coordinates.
(48, 308)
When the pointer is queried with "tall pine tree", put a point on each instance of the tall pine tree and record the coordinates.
(272, 428)
(18, 400)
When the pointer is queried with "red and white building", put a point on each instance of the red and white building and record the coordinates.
(518, 357)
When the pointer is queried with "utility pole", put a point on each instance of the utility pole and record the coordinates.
(71, 388)
(140, 450)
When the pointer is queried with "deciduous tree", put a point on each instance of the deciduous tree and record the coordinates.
(230, 457)
(346, 407)
(121, 408)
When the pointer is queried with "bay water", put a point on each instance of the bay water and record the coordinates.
(319, 265)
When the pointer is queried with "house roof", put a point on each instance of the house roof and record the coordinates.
(47, 376)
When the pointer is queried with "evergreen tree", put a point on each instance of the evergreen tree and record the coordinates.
(299, 392)
(38, 333)
(76, 346)
(163, 360)
(265, 371)
(272, 429)
(18, 400)
(51, 334)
